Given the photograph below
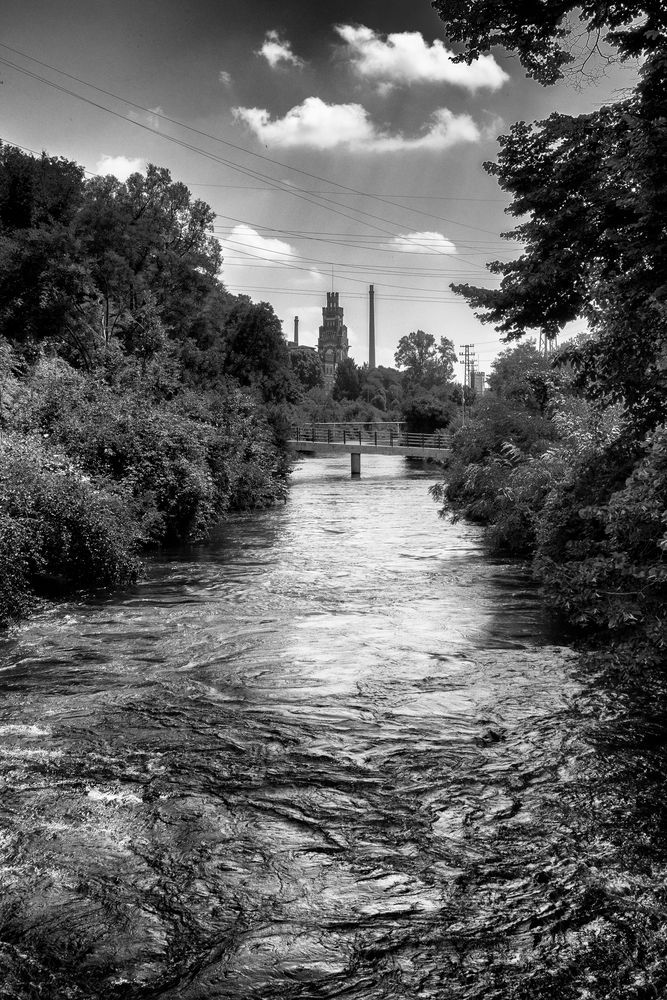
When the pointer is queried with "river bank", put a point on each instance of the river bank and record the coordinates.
(339, 751)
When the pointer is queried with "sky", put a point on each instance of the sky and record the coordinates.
(337, 142)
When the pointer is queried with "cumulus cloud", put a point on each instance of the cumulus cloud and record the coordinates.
(277, 51)
(248, 243)
(316, 125)
(425, 242)
(120, 166)
(244, 237)
(224, 77)
(405, 57)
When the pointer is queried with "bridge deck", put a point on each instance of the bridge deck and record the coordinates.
(368, 448)
(374, 438)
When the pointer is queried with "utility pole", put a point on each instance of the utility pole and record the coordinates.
(468, 363)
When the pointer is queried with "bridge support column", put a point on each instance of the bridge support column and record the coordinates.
(355, 459)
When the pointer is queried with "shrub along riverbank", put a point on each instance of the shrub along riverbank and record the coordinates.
(572, 467)
(139, 400)
(568, 482)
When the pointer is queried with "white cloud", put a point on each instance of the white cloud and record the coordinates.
(425, 242)
(120, 166)
(244, 244)
(317, 125)
(224, 77)
(244, 237)
(277, 50)
(405, 57)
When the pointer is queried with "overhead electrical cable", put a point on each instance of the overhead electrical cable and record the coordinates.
(284, 263)
(243, 149)
(212, 156)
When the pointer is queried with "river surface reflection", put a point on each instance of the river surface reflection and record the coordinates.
(325, 756)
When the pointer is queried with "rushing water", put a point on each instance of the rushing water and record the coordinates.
(334, 754)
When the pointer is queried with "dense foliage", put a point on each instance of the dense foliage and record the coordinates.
(559, 477)
(591, 193)
(542, 33)
(425, 361)
(568, 462)
(139, 400)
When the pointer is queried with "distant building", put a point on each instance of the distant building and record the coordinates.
(332, 343)
(477, 381)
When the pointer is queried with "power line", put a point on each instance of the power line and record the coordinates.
(258, 257)
(316, 294)
(208, 135)
(212, 156)
(419, 197)
(354, 268)
(255, 252)
(360, 240)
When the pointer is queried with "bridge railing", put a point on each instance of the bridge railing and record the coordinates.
(375, 436)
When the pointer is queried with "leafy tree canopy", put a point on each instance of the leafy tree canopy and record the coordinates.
(255, 352)
(307, 368)
(427, 409)
(523, 376)
(82, 262)
(540, 31)
(591, 194)
(37, 191)
(347, 384)
(424, 360)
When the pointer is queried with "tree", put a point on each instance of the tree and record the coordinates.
(427, 409)
(540, 32)
(592, 190)
(383, 387)
(148, 237)
(347, 384)
(425, 361)
(522, 376)
(307, 367)
(37, 191)
(255, 352)
(82, 263)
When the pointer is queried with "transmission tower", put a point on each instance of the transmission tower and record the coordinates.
(548, 344)
(467, 355)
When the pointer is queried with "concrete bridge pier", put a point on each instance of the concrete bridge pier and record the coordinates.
(355, 460)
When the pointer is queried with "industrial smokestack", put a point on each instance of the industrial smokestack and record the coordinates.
(371, 327)
(296, 331)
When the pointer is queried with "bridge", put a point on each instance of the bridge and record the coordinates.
(357, 439)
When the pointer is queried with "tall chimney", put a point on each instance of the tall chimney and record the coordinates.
(296, 331)
(371, 328)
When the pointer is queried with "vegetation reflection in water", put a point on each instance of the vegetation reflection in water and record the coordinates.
(340, 752)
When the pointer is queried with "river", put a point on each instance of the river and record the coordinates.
(339, 752)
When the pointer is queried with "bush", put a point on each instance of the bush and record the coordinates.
(184, 461)
(57, 526)
(601, 549)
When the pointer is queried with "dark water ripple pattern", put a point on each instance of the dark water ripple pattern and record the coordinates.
(335, 754)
